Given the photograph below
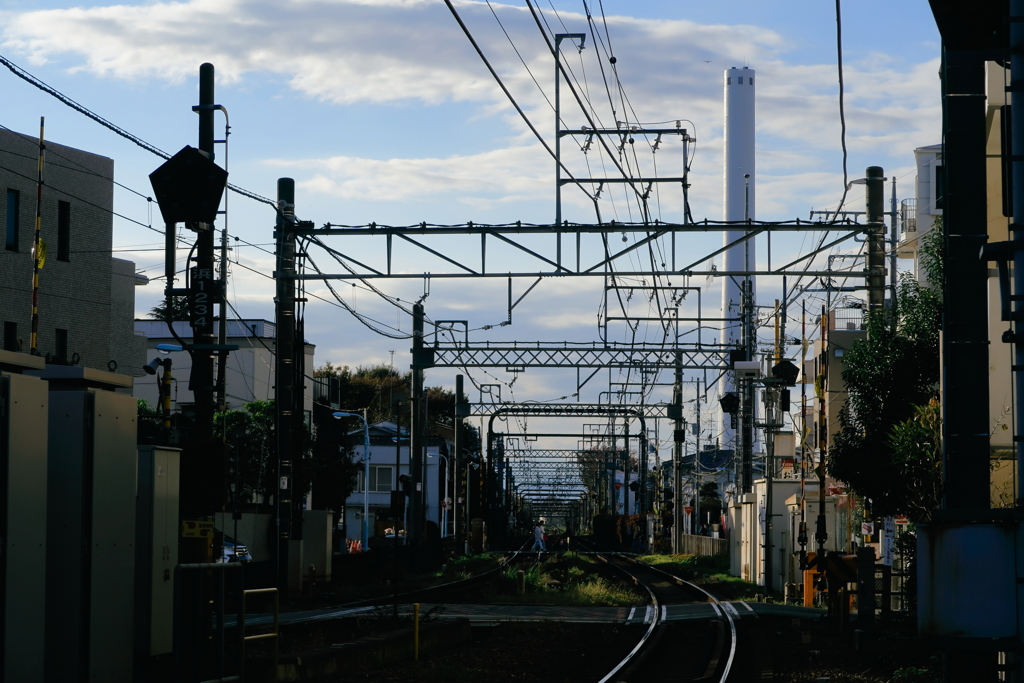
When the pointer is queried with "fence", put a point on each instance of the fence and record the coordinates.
(702, 545)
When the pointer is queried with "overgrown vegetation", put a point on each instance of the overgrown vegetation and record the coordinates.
(708, 571)
(887, 448)
(564, 580)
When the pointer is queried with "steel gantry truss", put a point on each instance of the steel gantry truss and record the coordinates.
(548, 260)
(536, 252)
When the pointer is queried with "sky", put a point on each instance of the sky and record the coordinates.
(381, 111)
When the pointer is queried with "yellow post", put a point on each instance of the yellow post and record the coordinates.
(416, 630)
(167, 394)
(38, 245)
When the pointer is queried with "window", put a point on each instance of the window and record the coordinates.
(940, 188)
(728, 80)
(751, 80)
(61, 344)
(63, 231)
(381, 479)
(740, 80)
(12, 223)
(10, 336)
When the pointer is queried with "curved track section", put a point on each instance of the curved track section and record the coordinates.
(686, 649)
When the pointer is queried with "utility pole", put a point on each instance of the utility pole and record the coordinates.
(875, 219)
(696, 459)
(202, 281)
(461, 410)
(746, 388)
(821, 528)
(677, 458)
(285, 371)
(37, 243)
(414, 521)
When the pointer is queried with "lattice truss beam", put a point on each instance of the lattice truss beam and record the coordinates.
(542, 473)
(538, 251)
(652, 410)
(611, 355)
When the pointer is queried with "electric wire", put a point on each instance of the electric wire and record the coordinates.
(53, 92)
(508, 94)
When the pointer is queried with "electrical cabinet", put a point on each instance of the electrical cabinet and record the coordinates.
(23, 448)
(156, 549)
(90, 559)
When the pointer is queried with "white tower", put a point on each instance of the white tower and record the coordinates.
(738, 204)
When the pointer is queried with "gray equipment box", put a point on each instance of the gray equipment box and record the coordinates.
(90, 559)
(23, 418)
(156, 549)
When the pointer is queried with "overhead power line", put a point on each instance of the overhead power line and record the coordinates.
(153, 149)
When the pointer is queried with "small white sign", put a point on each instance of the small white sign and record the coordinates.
(887, 540)
(284, 483)
(867, 528)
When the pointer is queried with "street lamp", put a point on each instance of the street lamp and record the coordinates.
(366, 475)
(444, 509)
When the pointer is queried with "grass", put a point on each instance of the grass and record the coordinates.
(565, 581)
(708, 571)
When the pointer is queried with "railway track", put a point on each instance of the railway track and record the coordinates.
(720, 649)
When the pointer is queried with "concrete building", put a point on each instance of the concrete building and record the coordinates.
(388, 460)
(86, 299)
(250, 371)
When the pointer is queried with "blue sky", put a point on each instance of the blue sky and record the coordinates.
(382, 112)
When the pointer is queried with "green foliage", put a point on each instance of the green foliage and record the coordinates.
(251, 442)
(565, 580)
(378, 387)
(709, 492)
(917, 457)
(149, 423)
(930, 256)
(692, 565)
(887, 375)
(179, 309)
(249, 435)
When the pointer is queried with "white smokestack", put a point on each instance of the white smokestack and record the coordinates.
(738, 204)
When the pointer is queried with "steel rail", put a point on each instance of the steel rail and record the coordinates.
(658, 619)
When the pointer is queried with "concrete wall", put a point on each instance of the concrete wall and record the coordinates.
(127, 349)
(74, 295)
(250, 370)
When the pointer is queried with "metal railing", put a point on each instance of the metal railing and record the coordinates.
(200, 621)
(702, 545)
(275, 634)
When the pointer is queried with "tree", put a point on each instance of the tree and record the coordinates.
(249, 435)
(179, 309)
(889, 375)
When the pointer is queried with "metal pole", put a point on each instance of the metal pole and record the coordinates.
(37, 242)
(747, 395)
(202, 380)
(558, 136)
(366, 481)
(559, 37)
(416, 427)
(893, 243)
(284, 399)
(677, 459)
(167, 395)
(875, 219)
(457, 447)
(821, 529)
